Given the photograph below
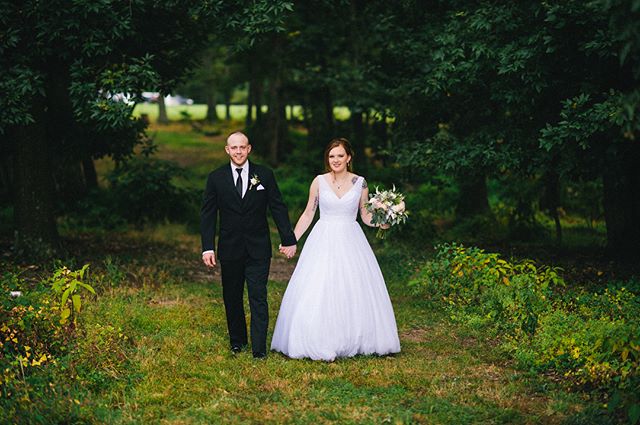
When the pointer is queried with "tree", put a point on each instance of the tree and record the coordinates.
(63, 63)
(524, 90)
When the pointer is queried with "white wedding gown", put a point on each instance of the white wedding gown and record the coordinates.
(336, 303)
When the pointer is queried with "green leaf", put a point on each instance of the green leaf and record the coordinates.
(84, 268)
(65, 313)
(76, 303)
(65, 296)
(634, 414)
(87, 287)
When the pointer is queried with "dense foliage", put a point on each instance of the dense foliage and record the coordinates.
(47, 354)
(65, 70)
(592, 338)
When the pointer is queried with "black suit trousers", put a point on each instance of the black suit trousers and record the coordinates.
(256, 273)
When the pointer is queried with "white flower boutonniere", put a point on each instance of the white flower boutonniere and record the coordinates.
(255, 181)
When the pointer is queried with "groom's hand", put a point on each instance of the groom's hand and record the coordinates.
(288, 251)
(209, 259)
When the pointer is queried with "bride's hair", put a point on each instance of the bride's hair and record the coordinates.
(340, 141)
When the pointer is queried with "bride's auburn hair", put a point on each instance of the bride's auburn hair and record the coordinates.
(334, 143)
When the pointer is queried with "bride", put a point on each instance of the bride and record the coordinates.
(336, 303)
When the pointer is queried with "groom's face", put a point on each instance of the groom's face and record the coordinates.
(238, 149)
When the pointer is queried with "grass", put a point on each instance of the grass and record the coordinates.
(238, 112)
(185, 373)
(181, 370)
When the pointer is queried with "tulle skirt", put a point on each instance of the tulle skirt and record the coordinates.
(336, 303)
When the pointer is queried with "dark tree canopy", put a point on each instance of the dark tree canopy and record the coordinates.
(62, 63)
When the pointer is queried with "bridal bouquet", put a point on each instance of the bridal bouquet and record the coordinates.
(386, 207)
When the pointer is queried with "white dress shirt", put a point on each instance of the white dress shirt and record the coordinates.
(244, 175)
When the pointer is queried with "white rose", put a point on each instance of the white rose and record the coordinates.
(399, 208)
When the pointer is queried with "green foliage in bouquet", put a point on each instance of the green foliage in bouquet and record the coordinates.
(387, 207)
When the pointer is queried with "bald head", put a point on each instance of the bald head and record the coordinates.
(238, 148)
(237, 136)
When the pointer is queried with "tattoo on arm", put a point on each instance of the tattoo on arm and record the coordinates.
(364, 184)
(315, 203)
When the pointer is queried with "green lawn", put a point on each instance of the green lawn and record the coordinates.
(238, 112)
(181, 370)
(178, 368)
(184, 373)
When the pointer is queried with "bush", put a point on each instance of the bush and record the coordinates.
(591, 338)
(294, 186)
(47, 353)
(478, 228)
(95, 211)
(144, 190)
(513, 295)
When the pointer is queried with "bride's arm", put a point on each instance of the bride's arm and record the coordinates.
(309, 212)
(364, 214)
(364, 198)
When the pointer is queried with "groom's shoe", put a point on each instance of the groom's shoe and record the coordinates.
(260, 355)
(236, 349)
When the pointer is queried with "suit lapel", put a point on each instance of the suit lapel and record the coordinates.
(249, 188)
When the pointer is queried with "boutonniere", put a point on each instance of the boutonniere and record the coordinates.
(255, 181)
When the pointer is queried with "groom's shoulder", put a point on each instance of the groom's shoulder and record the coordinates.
(219, 170)
(262, 169)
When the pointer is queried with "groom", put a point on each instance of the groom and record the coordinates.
(239, 193)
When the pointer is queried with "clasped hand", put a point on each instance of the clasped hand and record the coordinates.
(288, 251)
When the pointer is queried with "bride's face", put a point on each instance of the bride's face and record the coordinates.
(338, 159)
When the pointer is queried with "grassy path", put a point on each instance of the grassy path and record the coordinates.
(182, 371)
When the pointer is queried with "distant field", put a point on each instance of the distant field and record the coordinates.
(238, 112)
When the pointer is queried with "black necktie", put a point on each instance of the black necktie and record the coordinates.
(239, 181)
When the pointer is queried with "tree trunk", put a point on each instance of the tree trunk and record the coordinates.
(36, 234)
(248, 120)
(163, 118)
(66, 142)
(621, 180)
(550, 201)
(90, 174)
(69, 180)
(277, 121)
(6, 174)
(358, 140)
(257, 99)
(472, 197)
(212, 114)
(227, 104)
(319, 114)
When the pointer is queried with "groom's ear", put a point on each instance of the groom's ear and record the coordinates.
(248, 149)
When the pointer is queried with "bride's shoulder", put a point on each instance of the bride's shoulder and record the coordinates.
(364, 181)
(322, 176)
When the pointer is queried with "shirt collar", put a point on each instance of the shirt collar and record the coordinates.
(245, 167)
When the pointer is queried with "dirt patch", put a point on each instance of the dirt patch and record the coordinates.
(415, 335)
(281, 269)
(165, 303)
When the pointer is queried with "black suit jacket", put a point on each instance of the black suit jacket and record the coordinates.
(243, 220)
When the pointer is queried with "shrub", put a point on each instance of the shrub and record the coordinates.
(513, 295)
(144, 190)
(95, 211)
(591, 338)
(45, 348)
